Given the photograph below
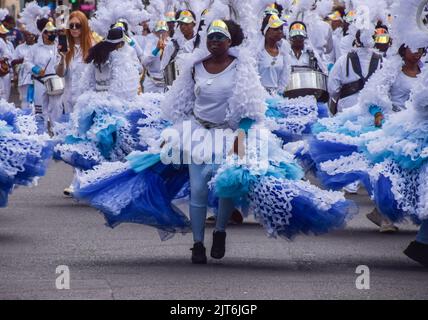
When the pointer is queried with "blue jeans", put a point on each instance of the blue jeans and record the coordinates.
(200, 175)
(422, 236)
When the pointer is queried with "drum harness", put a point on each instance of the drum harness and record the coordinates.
(170, 67)
(352, 88)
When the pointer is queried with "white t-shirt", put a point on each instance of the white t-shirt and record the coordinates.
(213, 92)
(400, 90)
(24, 73)
(338, 77)
(273, 70)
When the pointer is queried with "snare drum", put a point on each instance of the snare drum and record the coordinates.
(304, 82)
(54, 85)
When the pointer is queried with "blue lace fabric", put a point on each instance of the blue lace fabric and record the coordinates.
(24, 154)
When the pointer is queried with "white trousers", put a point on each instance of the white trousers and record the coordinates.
(51, 106)
(5, 87)
(23, 91)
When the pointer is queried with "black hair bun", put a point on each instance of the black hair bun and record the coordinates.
(41, 23)
(236, 32)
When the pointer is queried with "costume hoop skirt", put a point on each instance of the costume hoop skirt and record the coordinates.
(24, 154)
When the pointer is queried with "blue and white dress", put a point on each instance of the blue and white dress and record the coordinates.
(336, 141)
(398, 155)
(24, 154)
(104, 125)
(142, 189)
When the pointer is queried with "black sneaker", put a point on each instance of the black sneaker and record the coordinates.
(219, 244)
(418, 252)
(198, 254)
(236, 218)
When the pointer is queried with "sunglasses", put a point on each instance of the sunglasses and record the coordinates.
(217, 37)
(75, 26)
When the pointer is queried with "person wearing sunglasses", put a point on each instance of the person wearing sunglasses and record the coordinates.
(302, 54)
(208, 87)
(382, 40)
(72, 62)
(273, 59)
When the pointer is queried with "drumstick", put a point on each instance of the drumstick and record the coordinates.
(47, 64)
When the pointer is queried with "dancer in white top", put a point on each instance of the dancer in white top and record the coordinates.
(273, 58)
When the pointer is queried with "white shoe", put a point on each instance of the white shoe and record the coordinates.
(388, 227)
(68, 192)
(352, 188)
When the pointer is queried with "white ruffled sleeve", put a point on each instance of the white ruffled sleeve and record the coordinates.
(124, 75)
(286, 72)
(87, 82)
(248, 100)
(377, 89)
(180, 99)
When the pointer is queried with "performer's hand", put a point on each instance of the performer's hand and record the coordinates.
(238, 145)
(61, 53)
(161, 44)
(42, 73)
(378, 120)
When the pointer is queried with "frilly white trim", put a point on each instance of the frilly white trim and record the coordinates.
(377, 89)
(3, 13)
(405, 26)
(110, 11)
(31, 13)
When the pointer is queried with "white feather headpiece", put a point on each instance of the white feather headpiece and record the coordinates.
(407, 27)
(3, 13)
(31, 13)
(111, 11)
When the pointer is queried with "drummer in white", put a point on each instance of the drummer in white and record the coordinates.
(42, 59)
(301, 52)
(351, 72)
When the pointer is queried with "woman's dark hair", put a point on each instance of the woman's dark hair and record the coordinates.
(9, 19)
(236, 32)
(100, 53)
(280, 9)
(265, 22)
(341, 9)
(403, 48)
(380, 25)
(198, 36)
(41, 23)
(357, 41)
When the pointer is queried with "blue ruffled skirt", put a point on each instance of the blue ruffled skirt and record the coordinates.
(141, 195)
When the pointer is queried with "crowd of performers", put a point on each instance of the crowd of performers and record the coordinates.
(125, 97)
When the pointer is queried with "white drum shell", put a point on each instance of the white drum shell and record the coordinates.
(307, 82)
(54, 85)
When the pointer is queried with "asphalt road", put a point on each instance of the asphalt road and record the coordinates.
(41, 230)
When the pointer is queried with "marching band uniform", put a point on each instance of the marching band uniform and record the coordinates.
(6, 52)
(154, 78)
(24, 74)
